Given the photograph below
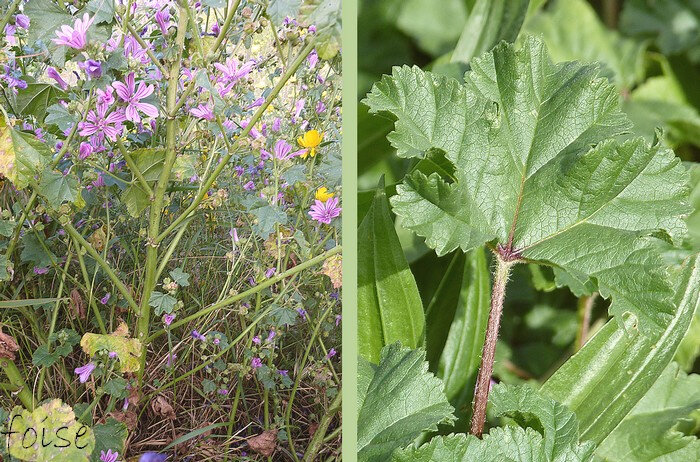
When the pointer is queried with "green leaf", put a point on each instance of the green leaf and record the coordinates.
(6, 269)
(128, 350)
(660, 102)
(397, 400)
(277, 10)
(613, 371)
(149, 161)
(325, 15)
(651, 430)
(34, 252)
(673, 25)
(116, 387)
(22, 156)
(46, 17)
(267, 215)
(556, 422)
(57, 114)
(389, 305)
(163, 303)
(42, 357)
(36, 98)
(179, 276)
(281, 316)
(58, 188)
(490, 21)
(56, 422)
(109, 435)
(136, 200)
(461, 355)
(103, 10)
(294, 174)
(589, 41)
(539, 173)
(548, 432)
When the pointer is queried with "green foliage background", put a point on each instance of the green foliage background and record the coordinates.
(649, 51)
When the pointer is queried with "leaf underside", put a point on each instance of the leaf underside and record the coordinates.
(539, 172)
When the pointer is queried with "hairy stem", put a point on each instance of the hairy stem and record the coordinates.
(156, 209)
(585, 306)
(8, 15)
(483, 380)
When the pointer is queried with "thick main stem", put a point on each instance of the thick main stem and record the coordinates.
(483, 380)
(159, 193)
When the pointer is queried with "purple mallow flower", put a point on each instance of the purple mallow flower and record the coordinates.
(153, 457)
(85, 150)
(283, 150)
(196, 335)
(163, 20)
(168, 319)
(53, 73)
(276, 124)
(108, 456)
(203, 111)
(106, 298)
(92, 68)
(128, 93)
(324, 212)
(74, 37)
(312, 59)
(331, 353)
(22, 21)
(100, 124)
(85, 371)
(40, 270)
(232, 71)
(256, 363)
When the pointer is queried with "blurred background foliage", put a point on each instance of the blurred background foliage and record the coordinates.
(649, 49)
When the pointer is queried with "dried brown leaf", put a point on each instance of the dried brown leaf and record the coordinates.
(265, 443)
(8, 346)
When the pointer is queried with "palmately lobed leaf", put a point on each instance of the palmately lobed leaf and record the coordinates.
(49, 433)
(547, 432)
(128, 349)
(398, 400)
(539, 172)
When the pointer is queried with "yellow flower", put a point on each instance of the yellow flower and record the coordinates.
(323, 195)
(310, 141)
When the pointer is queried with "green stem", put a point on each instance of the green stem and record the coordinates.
(10, 11)
(103, 264)
(15, 377)
(89, 286)
(224, 29)
(318, 439)
(252, 291)
(52, 326)
(483, 380)
(144, 314)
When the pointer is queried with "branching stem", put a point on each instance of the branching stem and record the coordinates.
(483, 380)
